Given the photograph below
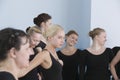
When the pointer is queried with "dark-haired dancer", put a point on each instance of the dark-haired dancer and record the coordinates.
(14, 53)
(43, 21)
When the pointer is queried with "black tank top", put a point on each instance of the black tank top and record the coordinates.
(6, 76)
(54, 72)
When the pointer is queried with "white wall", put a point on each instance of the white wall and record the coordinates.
(80, 15)
(71, 14)
(20, 13)
(78, 18)
(106, 14)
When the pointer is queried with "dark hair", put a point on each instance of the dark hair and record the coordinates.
(27, 29)
(43, 17)
(95, 31)
(10, 38)
(71, 32)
